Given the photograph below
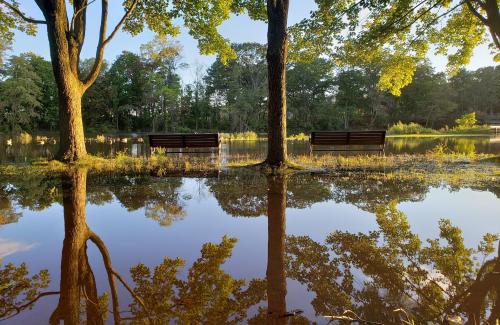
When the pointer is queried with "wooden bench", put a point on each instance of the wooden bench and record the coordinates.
(183, 141)
(348, 138)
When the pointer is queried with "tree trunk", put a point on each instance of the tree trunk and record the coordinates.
(76, 274)
(277, 49)
(65, 47)
(276, 279)
(74, 247)
(72, 138)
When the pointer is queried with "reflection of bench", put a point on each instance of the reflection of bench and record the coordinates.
(183, 141)
(348, 138)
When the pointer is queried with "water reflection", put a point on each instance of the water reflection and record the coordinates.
(276, 279)
(436, 282)
(369, 275)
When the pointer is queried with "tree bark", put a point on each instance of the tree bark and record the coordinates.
(275, 274)
(277, 50)
(72, 138)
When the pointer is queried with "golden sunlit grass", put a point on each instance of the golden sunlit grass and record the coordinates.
(24, 138)
(240, 136)
(432, 159)
(436, 161)
(122, 163)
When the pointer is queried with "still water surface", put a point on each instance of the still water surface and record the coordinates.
(287, 249)
(135, 145)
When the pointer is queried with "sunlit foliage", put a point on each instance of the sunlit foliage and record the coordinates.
(429, 281)
(396, 34)
(209, 295)
(18, 288)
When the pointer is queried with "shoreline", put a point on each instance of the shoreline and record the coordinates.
(161, 165)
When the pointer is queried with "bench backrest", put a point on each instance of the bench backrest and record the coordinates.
(348, 137)
(196, 140)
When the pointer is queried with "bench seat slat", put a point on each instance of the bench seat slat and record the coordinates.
(347, 138)
(200, 140)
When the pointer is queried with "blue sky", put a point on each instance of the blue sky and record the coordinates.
(236, 29)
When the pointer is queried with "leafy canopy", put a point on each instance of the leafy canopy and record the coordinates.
(393, 34)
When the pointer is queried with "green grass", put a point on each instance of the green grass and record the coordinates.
(415, 130)
(439, 159)
(437, 135)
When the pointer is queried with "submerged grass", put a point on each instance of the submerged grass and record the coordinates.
(160, 165)
(437, 161)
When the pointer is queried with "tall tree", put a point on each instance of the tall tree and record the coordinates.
(277, 51)
(162, 59)
(20, 95)
(66, 37)
(240, 87)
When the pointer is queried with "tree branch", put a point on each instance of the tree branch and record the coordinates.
(120, 23)
(79, 11)
(475, 12)
(494, 36)
(103, 41)
(18, 309)
(424, 29)
(20, 14)
(109, 269)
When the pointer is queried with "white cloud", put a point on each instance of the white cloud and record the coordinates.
(8, 247)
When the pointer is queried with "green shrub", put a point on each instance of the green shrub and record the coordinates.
(468, 124)
(467, 121)
(478, 129)
(299, 137)
(183, 129)
(410, 128)
(240, 136)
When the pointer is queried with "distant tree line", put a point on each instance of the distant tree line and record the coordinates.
(144, 92)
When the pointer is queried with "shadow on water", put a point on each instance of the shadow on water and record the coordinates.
(387, 275)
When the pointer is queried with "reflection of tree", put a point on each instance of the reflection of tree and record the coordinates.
(276, 280)
(159, 196)
(276, 312)
(240, 194)
(77, 278)
(430, 281)
(245, 193)
(18, 291)
(7, 211)
(34, 191)
(208, 295)
(367, 192)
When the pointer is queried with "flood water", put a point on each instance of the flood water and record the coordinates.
(243, 248)
(136, 145)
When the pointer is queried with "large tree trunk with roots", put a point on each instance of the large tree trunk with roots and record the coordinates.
(277, 49)
(77, 278)
(76, 274)
(276, 279)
